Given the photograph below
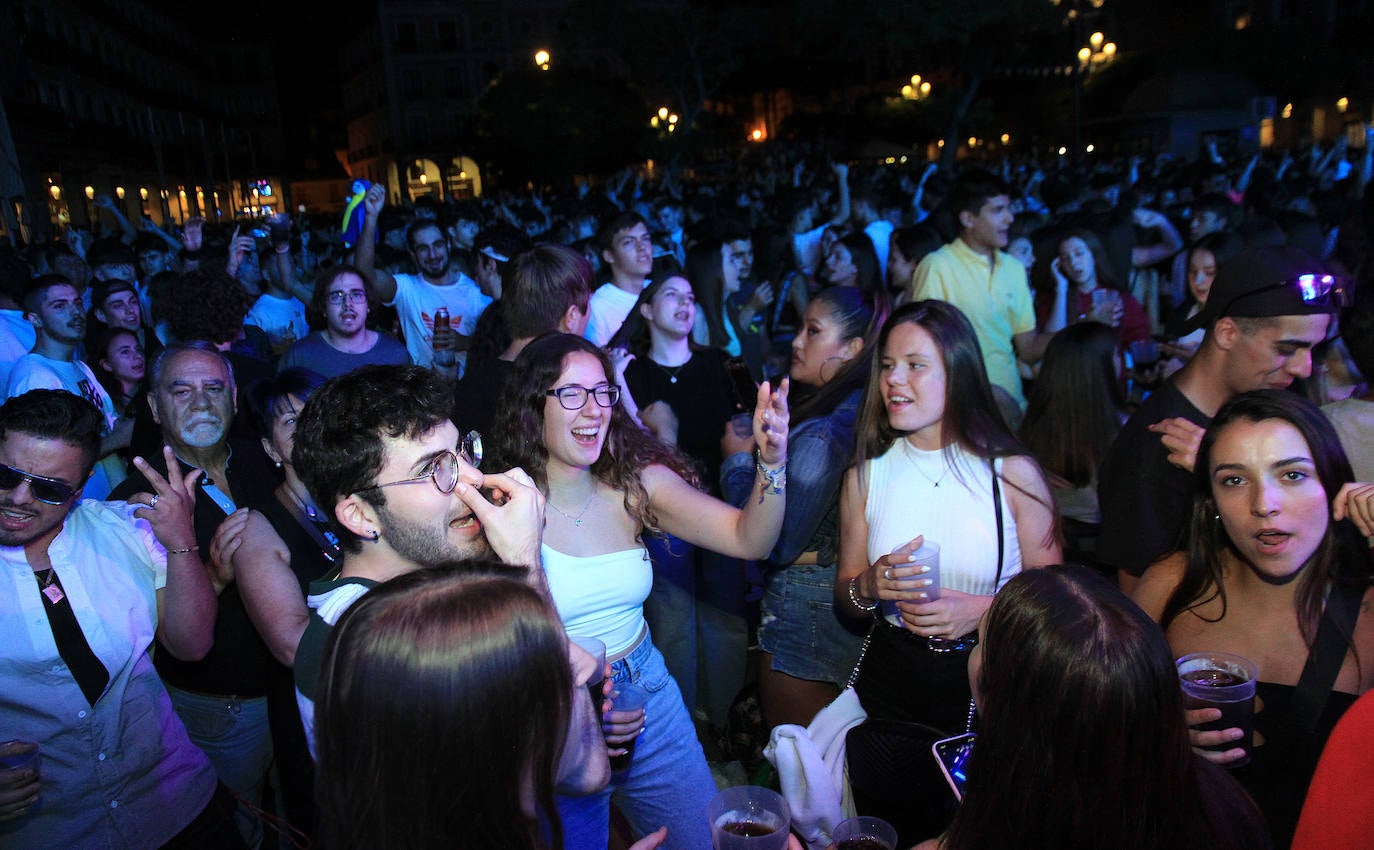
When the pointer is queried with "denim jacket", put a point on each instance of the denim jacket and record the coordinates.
(819, 450)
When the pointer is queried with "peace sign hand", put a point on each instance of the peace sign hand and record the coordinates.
(170, 507)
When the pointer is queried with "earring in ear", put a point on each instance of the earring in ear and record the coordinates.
(376, 535)
(277, 464)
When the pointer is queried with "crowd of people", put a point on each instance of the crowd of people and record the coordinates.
(305, 537)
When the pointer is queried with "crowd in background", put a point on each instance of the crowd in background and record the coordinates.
(1150, 365)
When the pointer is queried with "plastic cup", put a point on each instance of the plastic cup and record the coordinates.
(627, 697)
(1227, 682)
(864, 833)
(1105, 302)
(928, 555)
(748, 817)
(15, 755)
(597, 650)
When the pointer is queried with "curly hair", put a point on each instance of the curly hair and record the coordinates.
(208, 305)
(628, 450)
(339, 435)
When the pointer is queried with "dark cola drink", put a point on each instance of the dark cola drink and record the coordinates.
(863, 842)
(747, 828)
(596, 689)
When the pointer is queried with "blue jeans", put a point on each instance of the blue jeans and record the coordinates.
(800, 628)
(667, 783)
(697, 611)
(234, 733)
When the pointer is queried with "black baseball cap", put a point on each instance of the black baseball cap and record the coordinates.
(1271, 281)
(103, 289)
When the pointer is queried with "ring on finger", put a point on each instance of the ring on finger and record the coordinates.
(887, 573)
(152, 503)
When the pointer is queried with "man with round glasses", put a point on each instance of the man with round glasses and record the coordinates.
(346, 343)
(377, 449)
(1267, 309)
(85, 586)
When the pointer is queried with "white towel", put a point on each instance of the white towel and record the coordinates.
(811, 768)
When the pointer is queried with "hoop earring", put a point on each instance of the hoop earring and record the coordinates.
(842, 360)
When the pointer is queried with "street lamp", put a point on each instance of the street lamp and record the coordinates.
(917, 89)
(542, 58)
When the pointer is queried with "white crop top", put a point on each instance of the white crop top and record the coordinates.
(904, 501)
(601, 596)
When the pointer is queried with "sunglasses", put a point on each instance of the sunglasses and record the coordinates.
(47, 490)
(1319, 289)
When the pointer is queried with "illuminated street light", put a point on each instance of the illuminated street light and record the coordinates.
(1006, 138)
(663, 113)
(542, 58)
(1343, 104)
(119, 190)
(1288, 110)
(56, 192)
(925, 89)
(90, 193)
(672, 120)
(1096, 40)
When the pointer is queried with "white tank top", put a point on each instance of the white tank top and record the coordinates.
(904, 501)
(601, 596)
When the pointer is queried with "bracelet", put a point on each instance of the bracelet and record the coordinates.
(183, 551)
(854, 598)
(775, 480)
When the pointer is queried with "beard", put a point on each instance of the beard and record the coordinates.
(427, 543)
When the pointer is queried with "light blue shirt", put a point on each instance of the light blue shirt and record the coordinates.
(121, 773)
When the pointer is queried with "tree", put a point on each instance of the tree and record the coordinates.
(548, 125)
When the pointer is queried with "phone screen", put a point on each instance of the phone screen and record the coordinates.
(746, 388)
(952, 755)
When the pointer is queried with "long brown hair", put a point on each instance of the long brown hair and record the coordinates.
(1343, 557)
(628, 449)
(1075, 405)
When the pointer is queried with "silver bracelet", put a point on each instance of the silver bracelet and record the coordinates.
(774, 480)
(854, 598)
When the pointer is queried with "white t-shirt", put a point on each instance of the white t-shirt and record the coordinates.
(808, 249)
(416, 302)
(880, 232)
(606, 312)
(282, 319)
(36, 372)
(16, 339)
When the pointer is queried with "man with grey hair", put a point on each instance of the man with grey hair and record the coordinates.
(222, 698)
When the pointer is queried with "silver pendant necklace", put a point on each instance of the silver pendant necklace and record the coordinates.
(944, 462)
(576, 520)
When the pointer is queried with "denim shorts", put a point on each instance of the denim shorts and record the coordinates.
(667, 783)
(800, 629)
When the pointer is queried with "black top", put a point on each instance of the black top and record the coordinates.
(702, 397)
(239, 662)
(1145, 500)
(478, 395)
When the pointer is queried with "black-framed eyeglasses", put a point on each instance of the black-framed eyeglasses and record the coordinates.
(1319, 289)
(49, 491)
(574, 396)
(443, 470)
(353, 296)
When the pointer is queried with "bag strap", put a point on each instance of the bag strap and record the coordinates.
(1001, 532)
(863, 650)
(1324, 661)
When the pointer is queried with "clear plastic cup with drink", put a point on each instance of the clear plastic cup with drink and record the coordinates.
(927, 555)
(864, 833)
(1224, 681)
(747, 817)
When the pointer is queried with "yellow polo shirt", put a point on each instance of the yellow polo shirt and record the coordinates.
(993, 293)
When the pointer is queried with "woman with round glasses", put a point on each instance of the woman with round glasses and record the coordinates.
(346, 342)
(607, 483)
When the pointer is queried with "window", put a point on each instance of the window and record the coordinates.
(447, 34)
(412, 83)
(454, 83)
(418, 125)
(405, 37)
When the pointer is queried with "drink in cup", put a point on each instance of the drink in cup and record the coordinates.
(628, 697)
(1105, 302)
(928, 555)
(1223, 681)
(19, 754)
(864, 833)
(597, 650)
(747, 817)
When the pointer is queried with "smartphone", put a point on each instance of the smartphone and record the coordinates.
(746, 388)
(952, 754)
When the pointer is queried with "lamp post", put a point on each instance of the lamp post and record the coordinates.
(542, 59)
